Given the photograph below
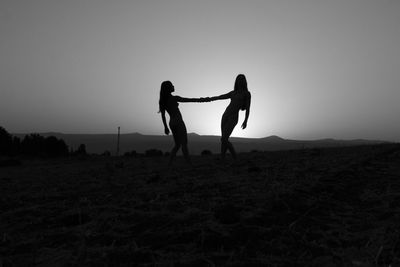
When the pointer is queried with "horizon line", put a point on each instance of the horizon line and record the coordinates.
(207, 135)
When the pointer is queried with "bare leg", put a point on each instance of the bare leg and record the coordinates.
(173, 153)
(232, 150)
(224, 147)
(228, 123)
(180, 137)
(186, 153)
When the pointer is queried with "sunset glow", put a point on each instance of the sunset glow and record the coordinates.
(315, 70)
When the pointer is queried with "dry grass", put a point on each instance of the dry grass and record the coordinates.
(324, 207)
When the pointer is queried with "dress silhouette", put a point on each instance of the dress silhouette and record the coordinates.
(169, 103)
(240, 100)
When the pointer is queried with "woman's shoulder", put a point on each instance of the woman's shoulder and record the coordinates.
(230, 93)
(233, 92)
(242, 93)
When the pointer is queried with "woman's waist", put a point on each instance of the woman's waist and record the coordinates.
(175, 118)
(174, 113)
(231, 111)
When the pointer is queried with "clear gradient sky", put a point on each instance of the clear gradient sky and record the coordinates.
(315, 68)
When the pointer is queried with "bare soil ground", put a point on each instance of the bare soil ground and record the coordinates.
(313, 207)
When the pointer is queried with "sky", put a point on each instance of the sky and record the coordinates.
(315, 68)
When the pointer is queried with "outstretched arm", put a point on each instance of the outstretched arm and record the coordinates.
(220, 97)
(186, 99)
(248, 100)
(202, 99)
(166, 129)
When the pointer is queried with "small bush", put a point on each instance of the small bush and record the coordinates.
(206, 152)
(131, 154)
(5, 142)
(153, 153)
(55, 147)
(81, 151)
(106, 154)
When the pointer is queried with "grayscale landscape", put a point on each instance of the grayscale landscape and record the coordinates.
(307, 207)
(99, 143)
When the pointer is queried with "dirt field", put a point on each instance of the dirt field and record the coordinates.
(314, 207)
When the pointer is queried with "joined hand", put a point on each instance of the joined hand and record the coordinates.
(205, 99)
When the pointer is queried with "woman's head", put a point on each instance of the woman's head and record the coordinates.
(166, 89)
(240, 83)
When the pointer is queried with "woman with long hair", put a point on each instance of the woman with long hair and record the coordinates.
(169, 103)
(240, 100)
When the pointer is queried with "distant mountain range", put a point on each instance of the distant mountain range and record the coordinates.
(99, 143)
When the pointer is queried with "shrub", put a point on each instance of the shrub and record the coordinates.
(5, 142)
(106, 154)
(32, 145)
(81, 151)
(206, 152)
(153, 153)
(130, 154)
(55, 147)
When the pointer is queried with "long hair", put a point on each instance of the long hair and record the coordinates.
(241, 83)
(165, 93)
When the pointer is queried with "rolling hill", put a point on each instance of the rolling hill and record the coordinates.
(99, 143)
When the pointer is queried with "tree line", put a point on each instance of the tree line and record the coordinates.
(35, 145)
(32, 145)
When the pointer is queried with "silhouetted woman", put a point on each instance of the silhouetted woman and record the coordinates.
(169, 103)
(240, 100)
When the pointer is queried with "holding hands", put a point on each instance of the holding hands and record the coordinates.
(240, 100)
(205, 99)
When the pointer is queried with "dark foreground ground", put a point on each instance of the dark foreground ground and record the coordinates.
(321, 207)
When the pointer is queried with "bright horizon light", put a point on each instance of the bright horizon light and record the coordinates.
(315, 70)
